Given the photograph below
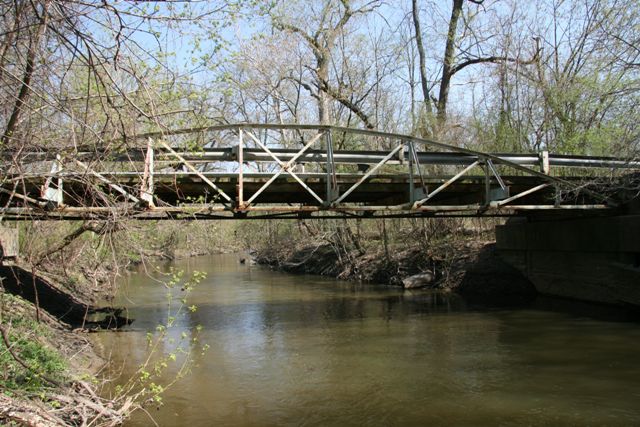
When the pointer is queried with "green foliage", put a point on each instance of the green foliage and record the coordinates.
(164, 349)
(25, 337)
(41, 360)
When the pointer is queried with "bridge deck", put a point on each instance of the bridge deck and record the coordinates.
(186, 193)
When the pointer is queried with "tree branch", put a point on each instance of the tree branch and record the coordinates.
(293, 29)
(347, 103)
(495, 60)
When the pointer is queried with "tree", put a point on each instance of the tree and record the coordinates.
(424, 80)
(451, 62)
(331, 21)
(581, 94)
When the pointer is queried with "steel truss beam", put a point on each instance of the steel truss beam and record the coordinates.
(346, 193)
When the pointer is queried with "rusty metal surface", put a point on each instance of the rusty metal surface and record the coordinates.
(258, 175)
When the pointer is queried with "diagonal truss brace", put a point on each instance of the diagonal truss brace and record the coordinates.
(495, 173)
(284, 167)
(106, 180)
(453, 179)
(370, 172)
(501, 203)
(13, 193)
(194, 170)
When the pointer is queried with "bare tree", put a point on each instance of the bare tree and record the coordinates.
(456, 56)
(424, 80)
(331, 22)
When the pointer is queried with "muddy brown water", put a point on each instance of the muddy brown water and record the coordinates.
(313, 351)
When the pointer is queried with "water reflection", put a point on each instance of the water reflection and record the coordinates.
(312, 351)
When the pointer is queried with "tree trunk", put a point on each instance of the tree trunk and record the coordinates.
(25, 87)
(447, 63)
(422, 57)
(323, 97)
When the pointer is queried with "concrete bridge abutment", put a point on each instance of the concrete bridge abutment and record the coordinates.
(594, 258)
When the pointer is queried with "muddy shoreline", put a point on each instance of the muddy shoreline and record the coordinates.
(471, 269)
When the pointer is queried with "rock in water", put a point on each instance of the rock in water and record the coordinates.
(418, 281)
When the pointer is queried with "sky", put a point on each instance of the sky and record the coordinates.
(193, 47)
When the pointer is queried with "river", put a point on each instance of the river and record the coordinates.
(313, 351)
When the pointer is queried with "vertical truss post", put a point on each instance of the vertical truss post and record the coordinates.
(411, 184)
(54, 194)
(423, 185)
(544, 162)
(60, 193)
(147, 189)
(487, 181)
(493, 194)
(332, 185)
(240, 185)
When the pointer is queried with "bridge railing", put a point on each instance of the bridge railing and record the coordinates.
(244, 169)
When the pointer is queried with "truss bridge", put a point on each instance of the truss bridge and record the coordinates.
(253, 171)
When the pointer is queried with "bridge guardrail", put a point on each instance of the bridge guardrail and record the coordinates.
(329, 186)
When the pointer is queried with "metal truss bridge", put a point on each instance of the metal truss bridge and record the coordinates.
(291, 171)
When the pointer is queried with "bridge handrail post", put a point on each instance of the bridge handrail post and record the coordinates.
(545, 167)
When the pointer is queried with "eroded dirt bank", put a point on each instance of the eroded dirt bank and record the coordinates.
(470, 268)
(50, 371)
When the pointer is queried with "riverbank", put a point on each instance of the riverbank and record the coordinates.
(469, 267)
(51, 372)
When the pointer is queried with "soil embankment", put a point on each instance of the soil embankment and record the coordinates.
(48, 363)
(470, 268)
(48, 370)
(59, 304)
